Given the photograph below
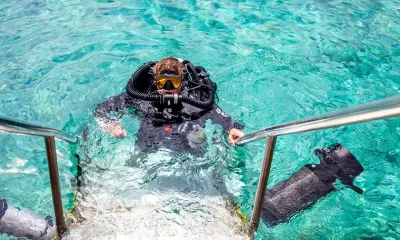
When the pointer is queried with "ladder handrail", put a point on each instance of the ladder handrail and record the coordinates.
(11, 125)
(384, 108)
(379, 109)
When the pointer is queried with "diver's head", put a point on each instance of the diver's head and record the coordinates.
(168, 75)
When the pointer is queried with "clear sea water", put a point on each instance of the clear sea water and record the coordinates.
(273, 61)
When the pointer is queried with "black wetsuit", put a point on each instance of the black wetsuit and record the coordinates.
(178, 128)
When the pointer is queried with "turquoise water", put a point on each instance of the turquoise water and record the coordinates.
(273, 62)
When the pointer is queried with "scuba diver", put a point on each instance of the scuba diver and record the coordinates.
(173, 100)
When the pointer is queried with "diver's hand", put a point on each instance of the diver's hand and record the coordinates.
(116, 130)
(235, 135)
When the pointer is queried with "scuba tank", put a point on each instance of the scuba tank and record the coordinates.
(310, 183)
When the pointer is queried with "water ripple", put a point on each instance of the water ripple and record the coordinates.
(273, 61)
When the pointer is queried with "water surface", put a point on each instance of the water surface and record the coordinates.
(273, 62)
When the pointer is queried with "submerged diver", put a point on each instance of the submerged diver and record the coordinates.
(173, 99)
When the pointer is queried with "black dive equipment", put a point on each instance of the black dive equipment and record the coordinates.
(310, 183)
(25, 224)
(199, 92)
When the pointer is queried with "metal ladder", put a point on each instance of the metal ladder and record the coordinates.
(14, 126)
(384, 108)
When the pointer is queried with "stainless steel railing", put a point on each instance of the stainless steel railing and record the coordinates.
(10, 125)
(385, 108)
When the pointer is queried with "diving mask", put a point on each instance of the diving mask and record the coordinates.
(162, 80)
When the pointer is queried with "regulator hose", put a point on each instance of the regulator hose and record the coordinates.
(198, 103)
(163, 98)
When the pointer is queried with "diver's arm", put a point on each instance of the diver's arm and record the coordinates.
(113, 109)
(220, 117)
(109, 113)
(228, 123)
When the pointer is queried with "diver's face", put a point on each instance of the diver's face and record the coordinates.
(169, 83)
